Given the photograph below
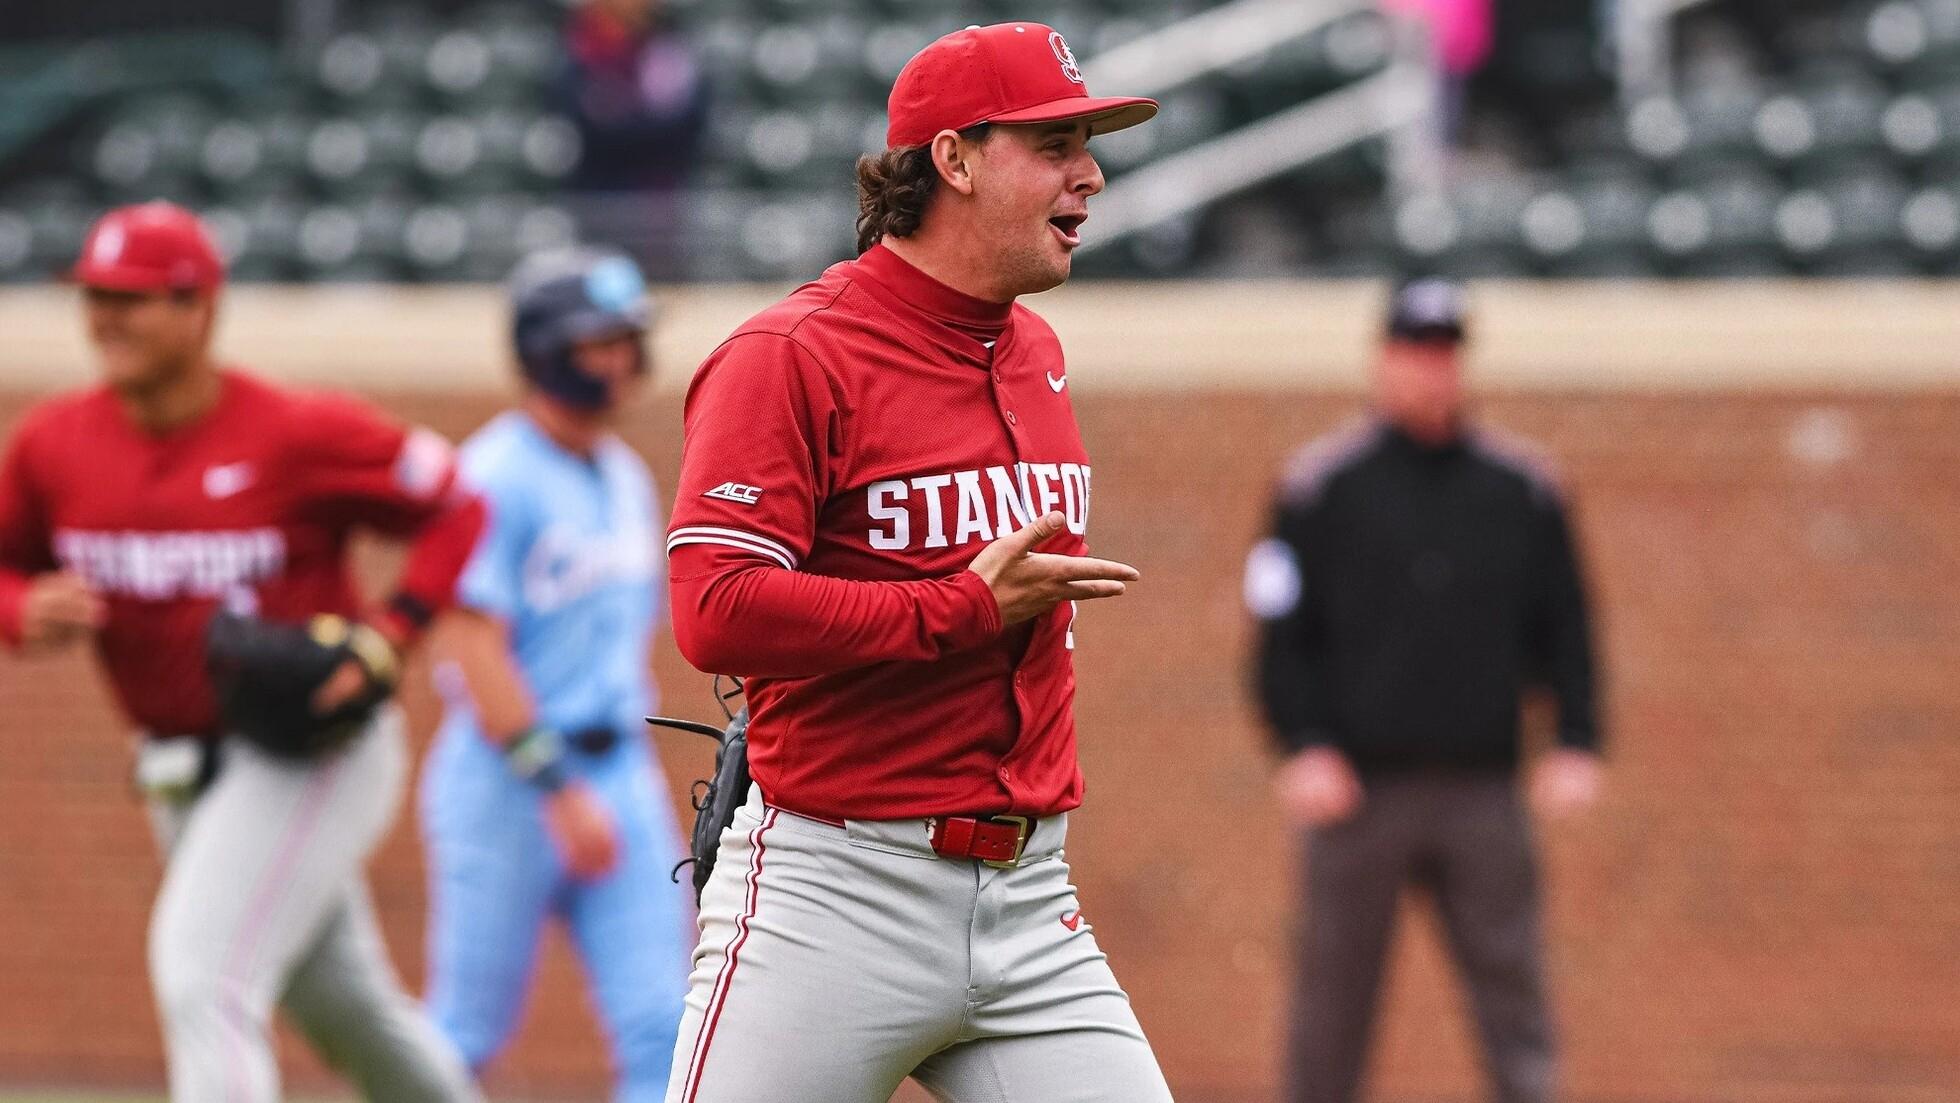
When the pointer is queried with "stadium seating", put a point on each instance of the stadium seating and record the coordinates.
(404, 148)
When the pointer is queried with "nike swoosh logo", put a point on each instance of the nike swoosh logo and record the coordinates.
(1055, 384)
(227, 479)
(1073, 919)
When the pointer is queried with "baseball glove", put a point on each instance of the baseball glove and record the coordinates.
(266, 675)
(716, 799)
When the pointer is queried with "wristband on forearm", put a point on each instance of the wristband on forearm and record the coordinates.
(538, 756)
(403, 619)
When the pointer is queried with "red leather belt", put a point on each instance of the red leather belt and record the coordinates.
(995, 840)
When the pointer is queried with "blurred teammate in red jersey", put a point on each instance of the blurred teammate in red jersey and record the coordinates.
(130, 513)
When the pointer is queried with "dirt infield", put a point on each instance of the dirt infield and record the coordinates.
(1767, 908)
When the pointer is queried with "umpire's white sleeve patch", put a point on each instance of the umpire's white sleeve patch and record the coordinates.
(1272, 579)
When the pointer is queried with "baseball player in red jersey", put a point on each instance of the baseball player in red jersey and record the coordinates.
(131, 514)
(880, 524)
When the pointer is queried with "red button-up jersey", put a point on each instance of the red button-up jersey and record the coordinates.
(847, 453)
(250, 506)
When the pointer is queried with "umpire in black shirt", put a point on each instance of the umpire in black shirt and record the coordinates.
(1419, 577)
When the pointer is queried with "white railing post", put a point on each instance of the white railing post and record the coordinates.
(1253, 154)
(1211, 40)
(1418, 148)
(1643, 46)
(1401, 102)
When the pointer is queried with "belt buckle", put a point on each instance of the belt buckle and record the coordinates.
(1020, 841)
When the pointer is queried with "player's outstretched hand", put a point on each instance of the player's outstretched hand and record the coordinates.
(582, 830)
(1027, 583)
(59, 608)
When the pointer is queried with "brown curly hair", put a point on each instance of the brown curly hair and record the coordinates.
(894, 188)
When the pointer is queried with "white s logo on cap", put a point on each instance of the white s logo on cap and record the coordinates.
(1066, 56)
(108, 245)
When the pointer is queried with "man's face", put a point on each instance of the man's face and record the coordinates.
(1032, 184)
(145, 340)
(1419, 385)
(616, 360)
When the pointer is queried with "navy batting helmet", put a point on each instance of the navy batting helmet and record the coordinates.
(564, 296)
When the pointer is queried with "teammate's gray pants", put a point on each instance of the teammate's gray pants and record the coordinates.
(263, 901)
(836, 961)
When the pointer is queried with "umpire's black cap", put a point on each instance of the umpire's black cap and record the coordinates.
(1428, 310)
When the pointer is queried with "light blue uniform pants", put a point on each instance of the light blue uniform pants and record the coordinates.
(495, 879)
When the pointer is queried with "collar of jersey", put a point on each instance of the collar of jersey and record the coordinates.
(967, 321)
(228, 394)
(1399, 440)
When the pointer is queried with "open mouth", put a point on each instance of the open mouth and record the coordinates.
(1068, 227)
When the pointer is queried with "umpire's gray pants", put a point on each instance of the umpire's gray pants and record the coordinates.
(836, 961)
(1464, 838)
(263, 901)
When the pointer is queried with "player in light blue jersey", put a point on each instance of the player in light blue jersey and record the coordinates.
(541, 797)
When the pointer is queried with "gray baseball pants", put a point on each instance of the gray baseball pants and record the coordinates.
(263, 902)
(1463, 838)
(835, 961)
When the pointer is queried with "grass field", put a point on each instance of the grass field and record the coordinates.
(57, 1096)
(7, 1096)
(71, 1097)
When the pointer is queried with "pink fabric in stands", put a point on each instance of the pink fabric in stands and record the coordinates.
(1461, 29)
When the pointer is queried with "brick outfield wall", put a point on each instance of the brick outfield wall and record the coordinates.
(1767, 908)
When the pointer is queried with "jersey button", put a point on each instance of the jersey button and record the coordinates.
(1006, 774)
(999, 378)
(1010, 418)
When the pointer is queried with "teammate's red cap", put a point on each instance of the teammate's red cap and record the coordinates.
(149, 247)
(1006, 73)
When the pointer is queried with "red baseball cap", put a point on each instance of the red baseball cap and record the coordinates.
(154, 246)
(1006, 73)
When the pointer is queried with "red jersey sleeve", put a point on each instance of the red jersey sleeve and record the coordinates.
(761, 434)
(24, 548)
(358, 467)
(764, 436)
